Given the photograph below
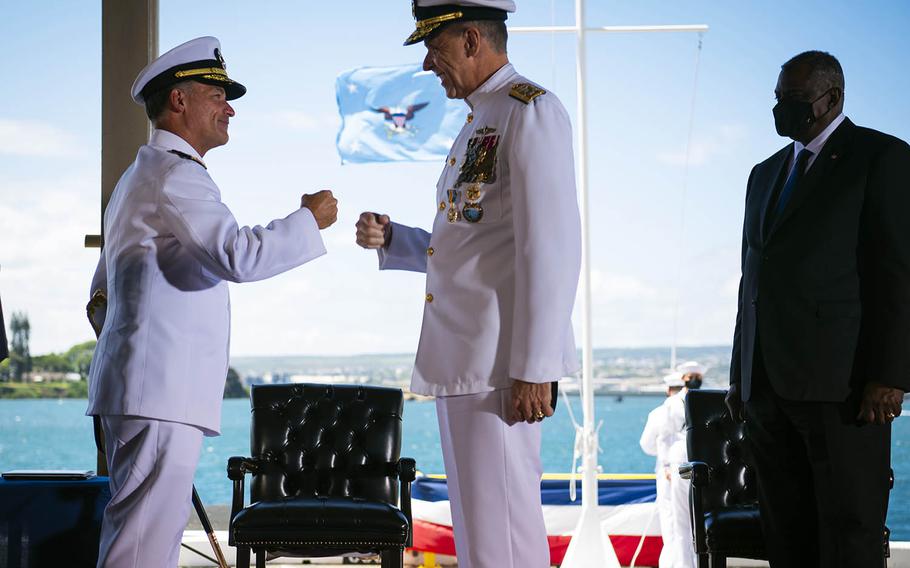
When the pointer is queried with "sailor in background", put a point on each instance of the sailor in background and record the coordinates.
(655, 442)
(502, 265)
(171, 246)
(678, 542)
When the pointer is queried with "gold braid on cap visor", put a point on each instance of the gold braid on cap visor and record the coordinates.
(204, 71)
(435, 21)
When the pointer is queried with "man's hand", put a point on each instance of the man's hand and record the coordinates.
(880, 404)
(735, 403)
(324, 207)
(373, 230)
(530, 402)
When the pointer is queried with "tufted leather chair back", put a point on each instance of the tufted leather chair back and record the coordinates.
(325, 440)
(716, 439)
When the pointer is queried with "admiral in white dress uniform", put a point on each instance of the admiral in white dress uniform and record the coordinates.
(171, 246)
(502, 264)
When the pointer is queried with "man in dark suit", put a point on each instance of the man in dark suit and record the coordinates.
(821, 350)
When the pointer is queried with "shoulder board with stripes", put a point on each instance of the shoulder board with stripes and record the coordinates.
(525, 92)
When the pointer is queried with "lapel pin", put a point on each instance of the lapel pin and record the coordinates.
(833, 156)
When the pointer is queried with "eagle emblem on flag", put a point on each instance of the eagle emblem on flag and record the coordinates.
(399, 117)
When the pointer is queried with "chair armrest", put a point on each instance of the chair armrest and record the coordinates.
(407, 472)
(700, 476)
(407, 469)
(237, 469)
(239, 466)
(697, 472)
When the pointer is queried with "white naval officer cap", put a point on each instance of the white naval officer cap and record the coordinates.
(690, 367)
(199, 60)
(432, 15)
(674, 379)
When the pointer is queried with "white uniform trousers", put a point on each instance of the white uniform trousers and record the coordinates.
(665, 516)
(681, 547)
(151, 465)
(493, 471)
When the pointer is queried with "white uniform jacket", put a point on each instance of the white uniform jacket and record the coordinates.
(652, 439)
(499, 291)
(665, 427)
(675, 430)
(170, 248)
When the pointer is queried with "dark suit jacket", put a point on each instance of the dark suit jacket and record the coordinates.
(826, 287)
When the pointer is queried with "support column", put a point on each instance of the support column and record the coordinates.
(129, 40)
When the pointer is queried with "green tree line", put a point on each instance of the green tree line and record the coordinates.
(77, 359)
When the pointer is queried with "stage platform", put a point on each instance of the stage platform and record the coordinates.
(195, 537)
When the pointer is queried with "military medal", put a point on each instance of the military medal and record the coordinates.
(453, 215)
(478, 168)
(479, 165)
(473, 212)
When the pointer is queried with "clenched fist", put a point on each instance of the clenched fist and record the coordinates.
(323, 205)
(373, 230)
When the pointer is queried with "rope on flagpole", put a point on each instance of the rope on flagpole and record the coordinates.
(579, 447)
(681, 236)
(641, 541)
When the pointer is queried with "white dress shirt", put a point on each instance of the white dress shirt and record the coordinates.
(817, 143)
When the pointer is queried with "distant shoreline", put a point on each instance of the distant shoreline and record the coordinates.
(44, 390)
(408, 396)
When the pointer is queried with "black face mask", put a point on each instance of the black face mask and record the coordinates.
(792, 118)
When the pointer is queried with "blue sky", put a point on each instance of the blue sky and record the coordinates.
(282, 144)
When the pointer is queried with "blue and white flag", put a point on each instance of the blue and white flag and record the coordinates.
(395, 114)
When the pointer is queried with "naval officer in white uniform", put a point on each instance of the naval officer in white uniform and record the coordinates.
(656, 440)
(678, 541)
(171, 246)
(502, 264)
(676, 519)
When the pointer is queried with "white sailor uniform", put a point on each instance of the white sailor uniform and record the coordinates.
(158, 372)
(502, 265)
(678, 544)
(655, 442)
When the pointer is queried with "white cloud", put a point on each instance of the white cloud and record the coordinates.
(643, 307)
(37, 139)
(620, 287)
(716, 142)
(45, 268)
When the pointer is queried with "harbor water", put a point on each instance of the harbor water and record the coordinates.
(55, 434)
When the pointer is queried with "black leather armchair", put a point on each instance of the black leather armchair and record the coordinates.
(724, 497)
(326, 475)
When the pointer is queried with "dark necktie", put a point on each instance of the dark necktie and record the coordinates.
(796, 174)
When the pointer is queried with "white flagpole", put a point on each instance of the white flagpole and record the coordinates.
(589, 546)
